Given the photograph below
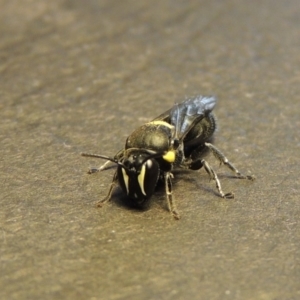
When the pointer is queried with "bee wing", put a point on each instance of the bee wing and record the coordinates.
(184, 115)
(164, 116)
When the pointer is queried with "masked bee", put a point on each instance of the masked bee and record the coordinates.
(178, 138)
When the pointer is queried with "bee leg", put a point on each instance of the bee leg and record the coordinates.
(108, 196)
(223, 160)
(101, 168)
(212, 174)
(92, 170)
(171, 203)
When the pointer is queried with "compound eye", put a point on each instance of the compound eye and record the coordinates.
(148, 178)
(149, 164)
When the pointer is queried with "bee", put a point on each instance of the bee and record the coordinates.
(180, 138)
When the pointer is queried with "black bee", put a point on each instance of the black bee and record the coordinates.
(178, 138)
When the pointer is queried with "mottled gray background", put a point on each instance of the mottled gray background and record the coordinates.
(80, 76)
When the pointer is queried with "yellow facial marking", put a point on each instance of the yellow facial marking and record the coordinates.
(126, 179)
(141, 179)
(170, 156)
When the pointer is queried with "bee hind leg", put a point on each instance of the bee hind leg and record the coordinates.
(223, 160)
(212, 175)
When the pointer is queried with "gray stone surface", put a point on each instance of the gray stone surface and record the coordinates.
(82, 75)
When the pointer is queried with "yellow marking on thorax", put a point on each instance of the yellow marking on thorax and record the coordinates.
(170, 156)
(161, 123)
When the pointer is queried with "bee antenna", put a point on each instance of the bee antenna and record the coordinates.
(105, 157)
(154, 155)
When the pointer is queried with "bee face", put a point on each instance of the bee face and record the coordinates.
(138, 177)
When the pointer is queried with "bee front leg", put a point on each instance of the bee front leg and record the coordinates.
(169, 193)
(108, 197)
(104, 166)
(93, 170)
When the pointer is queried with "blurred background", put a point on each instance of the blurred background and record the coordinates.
(80, 76)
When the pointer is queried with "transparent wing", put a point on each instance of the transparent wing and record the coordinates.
(164, 116)
(184, 115)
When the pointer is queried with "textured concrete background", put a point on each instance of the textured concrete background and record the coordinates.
(80, 76)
